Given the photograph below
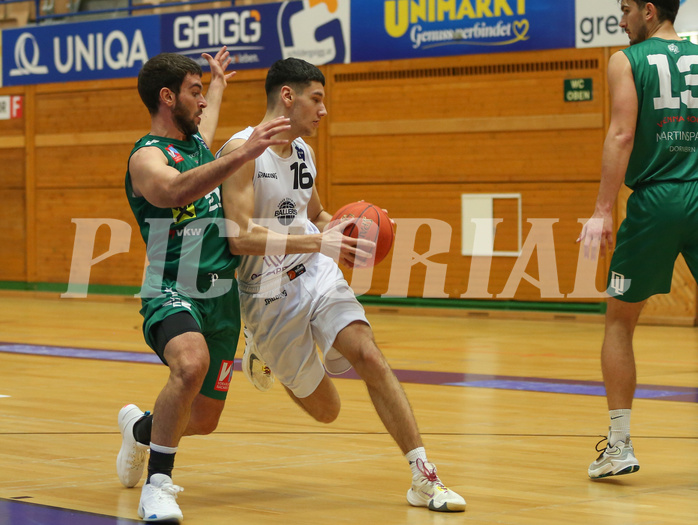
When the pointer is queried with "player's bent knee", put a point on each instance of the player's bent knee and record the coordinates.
(370, 362)
(191, 377)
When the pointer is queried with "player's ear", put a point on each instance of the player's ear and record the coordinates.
(167, 96)
(650, 11)
(287, 95)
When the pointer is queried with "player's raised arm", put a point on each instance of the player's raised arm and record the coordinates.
(214, 95)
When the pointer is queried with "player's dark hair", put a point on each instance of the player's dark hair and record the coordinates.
(292, 72)
(164, 70)
(666, 9)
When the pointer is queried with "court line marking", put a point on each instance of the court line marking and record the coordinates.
(22, 512)
(424, 377)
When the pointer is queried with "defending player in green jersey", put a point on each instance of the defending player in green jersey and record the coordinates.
(189, 297)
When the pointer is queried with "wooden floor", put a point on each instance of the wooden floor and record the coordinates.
(517, 456)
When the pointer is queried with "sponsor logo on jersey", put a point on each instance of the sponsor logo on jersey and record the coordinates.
(300, 153)
(287, 212)
(184, 213)
(151, 142)
(296, 271)
(265, 175)
(201, 141)
(186, 232)
(176, 156)
(225, 374)
(270, 300)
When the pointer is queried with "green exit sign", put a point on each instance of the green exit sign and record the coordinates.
(579, 89)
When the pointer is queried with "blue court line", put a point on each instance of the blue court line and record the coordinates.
(25, 513)
(424, 377)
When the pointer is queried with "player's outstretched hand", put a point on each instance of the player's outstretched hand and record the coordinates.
(264, 136)
(597, 235)
(346, 250)
(219, 64)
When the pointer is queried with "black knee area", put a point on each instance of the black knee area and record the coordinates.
(169, 328)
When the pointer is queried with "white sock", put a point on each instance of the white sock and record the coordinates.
(620, 425)
(162, 449)
(412, 456)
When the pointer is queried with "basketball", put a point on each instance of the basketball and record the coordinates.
(372, 224)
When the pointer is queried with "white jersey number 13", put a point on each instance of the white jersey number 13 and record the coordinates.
(666, 99)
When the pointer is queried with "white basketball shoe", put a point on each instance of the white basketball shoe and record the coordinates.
(614, 460)
(130, 461)
(159, 500)
(253, 366)
(427, 490)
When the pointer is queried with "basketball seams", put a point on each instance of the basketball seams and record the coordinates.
(378, 219)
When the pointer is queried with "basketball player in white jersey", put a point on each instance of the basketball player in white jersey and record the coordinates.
(293, 297)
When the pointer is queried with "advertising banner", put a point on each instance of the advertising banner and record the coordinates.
(114, 48)
(394, 29)
(597, 22)
(257, 36)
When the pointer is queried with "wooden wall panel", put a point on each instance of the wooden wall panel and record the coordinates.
(13, 236)
(553, 156)
(12, 128)
(12, 171)
(56, 208)
(564, 202)
(510, 85)
(94, 166)
(90, 110)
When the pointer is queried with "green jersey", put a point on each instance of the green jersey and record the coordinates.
(189, 239)
(666, 136)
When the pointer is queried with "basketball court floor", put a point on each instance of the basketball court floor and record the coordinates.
(510, 411)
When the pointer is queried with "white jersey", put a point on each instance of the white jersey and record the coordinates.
(282, 190)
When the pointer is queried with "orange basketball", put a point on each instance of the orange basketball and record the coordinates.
(371, 223)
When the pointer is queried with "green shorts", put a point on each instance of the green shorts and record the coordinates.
(219, 321)
(661, 223)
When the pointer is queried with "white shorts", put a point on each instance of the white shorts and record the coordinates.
(288, 320)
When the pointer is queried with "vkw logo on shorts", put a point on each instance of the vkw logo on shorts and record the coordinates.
(225, 374)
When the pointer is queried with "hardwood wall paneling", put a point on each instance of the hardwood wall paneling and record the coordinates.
(12, 173)
(94, 166)
(56, 235)
(455, 119)
(509, 84)
(13, 127)
(564, 202)
(572, 155)
(13, 236)
(101, 109)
